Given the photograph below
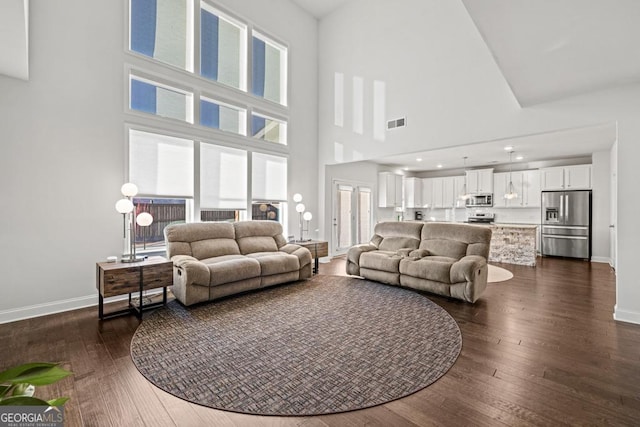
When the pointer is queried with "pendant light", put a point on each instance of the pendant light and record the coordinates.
(511, 191)
(464, 194)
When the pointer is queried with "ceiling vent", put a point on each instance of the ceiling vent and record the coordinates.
(397, 123)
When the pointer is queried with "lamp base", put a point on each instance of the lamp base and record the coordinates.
(133, 259)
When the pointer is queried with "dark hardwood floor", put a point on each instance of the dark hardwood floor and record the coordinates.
(540, 349)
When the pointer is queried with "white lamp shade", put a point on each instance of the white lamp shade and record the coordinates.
(144, 219)
(129, 189)
(297, 197)
(307, 216)
(300, 207)
(124, 206)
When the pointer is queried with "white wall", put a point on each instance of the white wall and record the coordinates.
(440, 74)
(63, 145)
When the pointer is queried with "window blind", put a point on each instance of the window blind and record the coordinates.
(222, 49)
(223, 177)
(269, 177)
(159, 30)
(161, 165)
(269, 70)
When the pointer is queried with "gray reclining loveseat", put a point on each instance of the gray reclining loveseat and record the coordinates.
(443, 258)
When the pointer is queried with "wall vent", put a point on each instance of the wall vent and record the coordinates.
(397, 123)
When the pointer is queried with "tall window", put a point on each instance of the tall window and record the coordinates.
(223, 116)
(160, 99)
(268, 128)
(269, 69)
(269, 186)
(162, 30)
(223, 48)
(223, 183)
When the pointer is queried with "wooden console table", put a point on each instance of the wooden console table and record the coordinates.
(318, 249)
(118, 278)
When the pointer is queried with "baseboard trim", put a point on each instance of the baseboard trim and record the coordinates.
(601, 259)
(31, 311)
(37, 310)
(626, 316)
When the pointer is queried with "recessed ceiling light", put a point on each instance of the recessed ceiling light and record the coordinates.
(439, 166)
(406, 168)
(508, 148)
(419, 159)
(519, 157)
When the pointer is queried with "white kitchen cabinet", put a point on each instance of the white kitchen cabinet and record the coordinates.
(438, 193)
(480, 181)
(458, 189)
(531, 189)
(577, 177)
(389, 190)
(412, 193)
(500, 181)
(427, 192)
(525, 183)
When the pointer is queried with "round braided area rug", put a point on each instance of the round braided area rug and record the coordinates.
(329, 344)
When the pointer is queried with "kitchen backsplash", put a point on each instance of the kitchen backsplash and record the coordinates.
(503, 215)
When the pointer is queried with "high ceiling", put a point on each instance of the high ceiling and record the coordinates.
(552, 49)
(320, 8)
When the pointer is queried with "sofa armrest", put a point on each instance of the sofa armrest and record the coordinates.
(303, 254)
(464, 270)
(353, 255)
(193, 270)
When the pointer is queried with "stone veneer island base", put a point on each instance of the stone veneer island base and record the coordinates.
(513, 244)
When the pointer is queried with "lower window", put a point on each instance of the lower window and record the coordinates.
(164, 212)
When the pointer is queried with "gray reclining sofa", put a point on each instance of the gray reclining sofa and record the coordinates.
(443, 258)
(215, 259)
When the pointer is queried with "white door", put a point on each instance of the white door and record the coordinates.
(352, 216)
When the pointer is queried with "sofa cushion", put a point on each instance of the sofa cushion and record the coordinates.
(210, 248)
(275, 262)
(249, 245)
(250, 229)
(391, 236)
(381, 260)
(435, 268)
(395, 243)
(231, 268)
(464, 239)
(179, 237)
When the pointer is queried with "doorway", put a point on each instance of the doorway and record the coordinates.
(352, 215)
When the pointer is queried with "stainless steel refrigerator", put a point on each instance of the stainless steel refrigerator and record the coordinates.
(566, 223)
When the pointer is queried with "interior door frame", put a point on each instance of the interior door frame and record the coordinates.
(356, 185)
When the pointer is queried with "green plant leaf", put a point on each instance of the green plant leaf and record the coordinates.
(23, 401)
(10, 374)
(41, 376)
(57, 402)
(4, 389)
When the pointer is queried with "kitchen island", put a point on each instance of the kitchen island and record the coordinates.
(513, 244)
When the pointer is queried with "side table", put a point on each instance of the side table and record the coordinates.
(118, 278)
(318, 249)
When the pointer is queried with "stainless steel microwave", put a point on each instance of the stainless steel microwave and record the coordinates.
(479, 200)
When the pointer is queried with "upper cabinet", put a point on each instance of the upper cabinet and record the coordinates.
(442, 192)
(412, 192)
(526, 185)
(389, 190)
(576, 177)
(480, 181)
